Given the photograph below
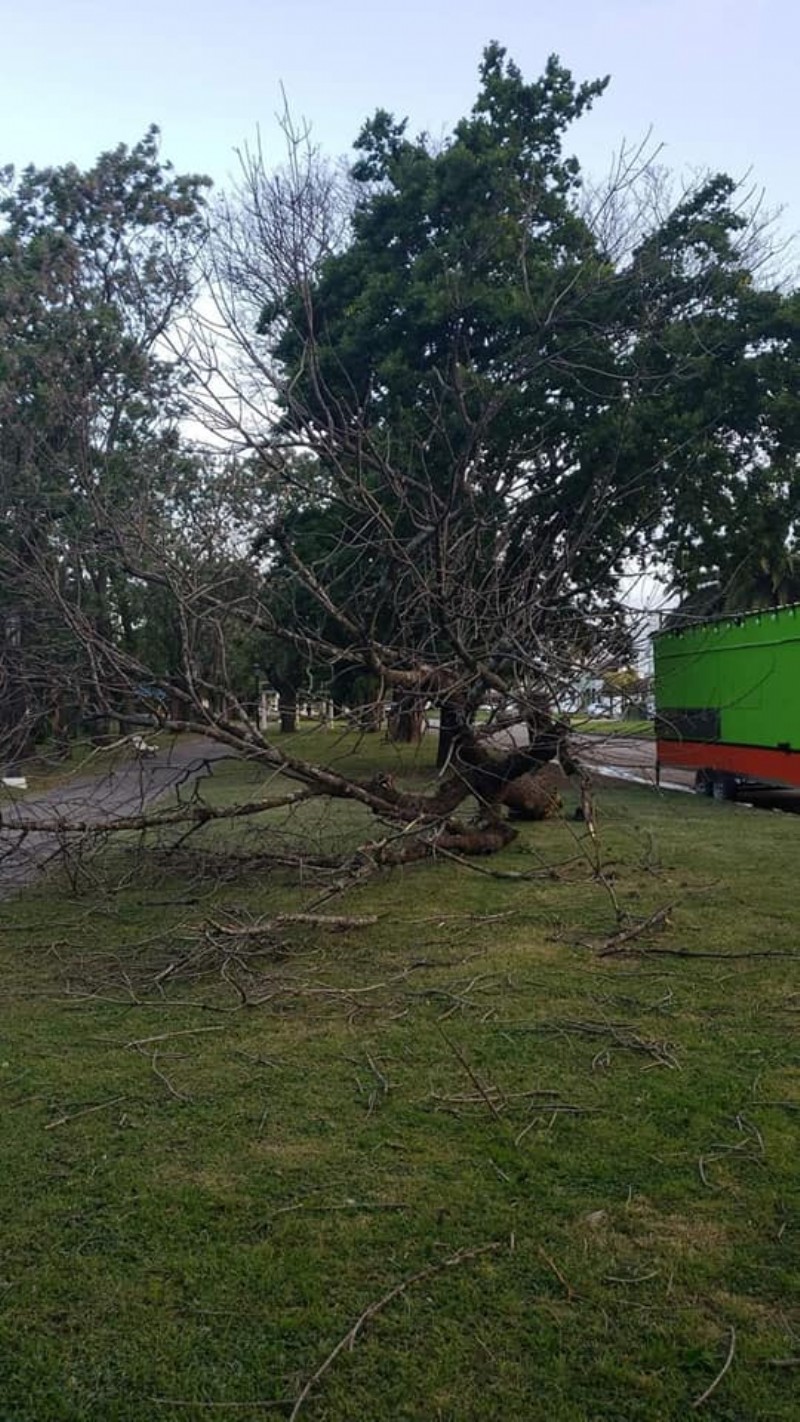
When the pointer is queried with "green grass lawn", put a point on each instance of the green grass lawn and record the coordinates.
(214, 1164)
(601, 726)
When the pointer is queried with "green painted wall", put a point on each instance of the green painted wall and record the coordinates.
(747, 668)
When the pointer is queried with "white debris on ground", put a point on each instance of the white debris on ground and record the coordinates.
(142, 747)
(617, 772)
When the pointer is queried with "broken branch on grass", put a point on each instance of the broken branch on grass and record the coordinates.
(476, 1081)
(440, 918)
(335, 922)
(553, 1109)
(349, 1339)
(359, 1206)
(162, 1076)
(720, 1375)
(659, 919)
(384, 1082)
(86, 1111)
(701, 953)
(466, 1100)
(191, 812)
(159, 1037)
(516, 875)
(701, 1167)
(218, 1406)
(622, 1036)
(722, 1150)
(565, 1284)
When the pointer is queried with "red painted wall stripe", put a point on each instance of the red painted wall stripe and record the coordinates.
(754, 762)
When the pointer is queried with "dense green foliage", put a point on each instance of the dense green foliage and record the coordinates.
(492, 359)
(95, 268)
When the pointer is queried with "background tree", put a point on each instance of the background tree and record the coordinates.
(95, 269)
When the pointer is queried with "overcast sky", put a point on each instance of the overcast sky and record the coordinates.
(715, 79)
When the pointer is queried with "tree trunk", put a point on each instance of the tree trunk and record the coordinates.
(287, 710)
(450, 721)
(60, 729)
(405, 721)
(375, 715)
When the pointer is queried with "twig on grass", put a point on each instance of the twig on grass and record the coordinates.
(723, 1150)
(622, 1035)
(218, 1406)
(476, 1081)
(466, 918)
(515, 875)
(701, 953)
(162, 1076)
(359, 1206)
(382, 1081)
(570, 1292)
(658, 919)
(159, 1037)
(526, 1130)
(704, 1396)
(467, 1100)
(701, 1167)
(349, 1339)
(632, 1278)
(553, 1109)
(334, 922)
(86, 1111)
(159, 1003)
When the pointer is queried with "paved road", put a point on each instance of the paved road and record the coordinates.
(125, 788)
(631, 758)
(628, 758)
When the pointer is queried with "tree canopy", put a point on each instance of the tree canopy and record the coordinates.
(507, 405)
(95, 268)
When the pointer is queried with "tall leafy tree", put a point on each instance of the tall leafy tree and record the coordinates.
(505, 409)
(95, 269)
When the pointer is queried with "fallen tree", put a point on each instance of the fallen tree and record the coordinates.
(459, 403)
